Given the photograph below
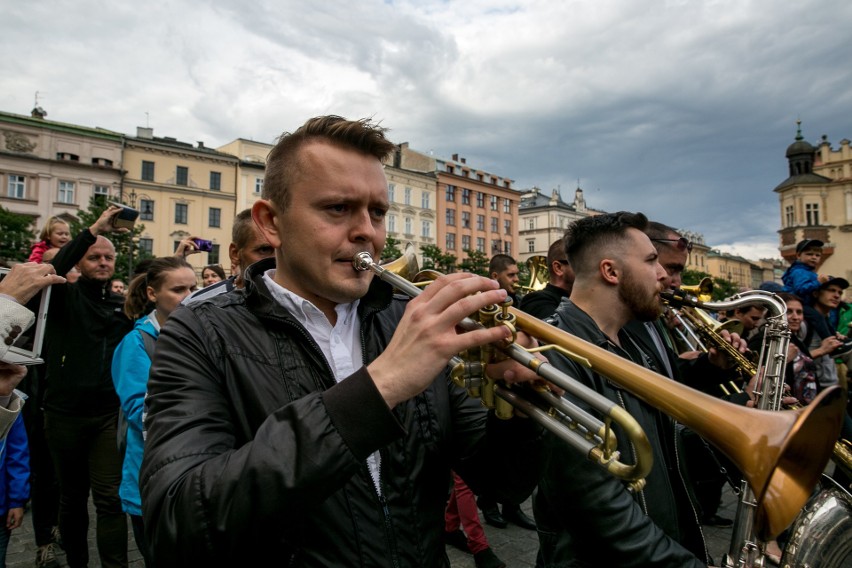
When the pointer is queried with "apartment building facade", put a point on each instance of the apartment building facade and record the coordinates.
(412, 197)
(543, 219)
(180, 191)
(251, 169)
(52, 168)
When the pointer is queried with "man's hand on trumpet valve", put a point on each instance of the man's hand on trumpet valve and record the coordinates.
(427, 337)
(721, 359)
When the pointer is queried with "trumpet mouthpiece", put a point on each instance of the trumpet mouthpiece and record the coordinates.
(362, 261)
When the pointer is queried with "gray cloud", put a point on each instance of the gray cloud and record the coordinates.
(680, 109)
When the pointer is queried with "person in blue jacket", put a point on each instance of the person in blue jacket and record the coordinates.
(14, 482)
(166, 283)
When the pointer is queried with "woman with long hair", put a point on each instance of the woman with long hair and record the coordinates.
(151, 298)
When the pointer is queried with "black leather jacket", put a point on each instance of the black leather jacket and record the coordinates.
(253, 452)
(585, 516)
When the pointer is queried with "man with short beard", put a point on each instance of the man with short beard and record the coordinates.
(585, 516)
(85, 324)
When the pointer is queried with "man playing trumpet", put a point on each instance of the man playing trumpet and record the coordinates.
(309, 418)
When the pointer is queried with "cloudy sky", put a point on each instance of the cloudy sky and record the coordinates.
(680, 109)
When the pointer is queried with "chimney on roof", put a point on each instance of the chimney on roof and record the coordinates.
(455, 157)
(464, 160)
(38, 112)
(145, 132)
(201, 144)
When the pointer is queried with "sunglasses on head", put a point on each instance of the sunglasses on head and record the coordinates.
(680, 244)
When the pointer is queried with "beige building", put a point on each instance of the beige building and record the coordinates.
(180, 190)
(543, 219)
(52, 168)
(731, 267)
(250, 169)
(412, 198)
(816, 202)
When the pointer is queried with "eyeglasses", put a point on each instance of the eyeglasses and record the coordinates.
(680, 244)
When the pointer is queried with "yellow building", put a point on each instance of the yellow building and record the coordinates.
(816, 203)
(731, 267)
(250, 169)
(412, 198)
(53, 168)
(180, 191)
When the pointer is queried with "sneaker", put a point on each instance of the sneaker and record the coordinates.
(46, 557)
(717, 521)
(456, 539)
(487, 559)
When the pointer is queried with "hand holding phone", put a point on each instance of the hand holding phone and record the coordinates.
(125, 218)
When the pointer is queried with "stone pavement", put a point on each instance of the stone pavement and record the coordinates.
(516, 546)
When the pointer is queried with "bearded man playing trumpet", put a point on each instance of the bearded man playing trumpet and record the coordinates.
(586, 517)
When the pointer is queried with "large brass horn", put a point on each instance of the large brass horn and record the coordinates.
(780, 454)
(539, 274)
(703, 290)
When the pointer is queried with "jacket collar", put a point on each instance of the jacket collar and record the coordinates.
(260, 300)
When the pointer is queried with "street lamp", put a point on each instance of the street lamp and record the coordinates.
(133, 241)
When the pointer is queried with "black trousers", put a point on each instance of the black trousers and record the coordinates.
(86, 457)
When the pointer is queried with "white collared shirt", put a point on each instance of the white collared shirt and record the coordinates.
(340, 343)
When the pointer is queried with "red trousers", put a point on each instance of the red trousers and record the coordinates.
(462, 512)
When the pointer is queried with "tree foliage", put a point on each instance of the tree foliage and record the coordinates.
(392, 249)
(475, 263)
(16, 236)
(436, 259)
(127, 253)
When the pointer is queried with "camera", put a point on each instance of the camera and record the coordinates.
(203, 245)
(125, 218)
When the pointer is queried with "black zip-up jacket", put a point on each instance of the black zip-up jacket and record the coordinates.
(85, 323)
(253, 452)
(585, 516)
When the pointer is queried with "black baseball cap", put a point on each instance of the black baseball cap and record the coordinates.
(842, 282)
(808, 243)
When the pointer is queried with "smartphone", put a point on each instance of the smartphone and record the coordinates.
(125, 218)
(203, 245)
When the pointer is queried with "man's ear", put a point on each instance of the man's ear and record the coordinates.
(610, 272)
(265, 216)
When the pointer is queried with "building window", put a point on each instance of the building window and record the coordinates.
(494, 203)
(16, 186)
(424, 200)
(392, 223)
(451, 217)
(480, 244)
(465, 220)
(451, 241)
(531, 223)
(507, 248)
(426, 229)
(148, 171)
(465, 242)
(66, 192)
(213, 255)
(182, 175)
(214, 218)
(790, 216)
(496, 246)
(812, 214)
(67, 157)
(494, 228)
(391, 191)
(215, 181)
(507, 226)
(101, 193)
(531, 245)
(146, 245)
(480, 222)
(480, 199)
(146, 209)
(181, 213)
(408, 225)
(465, 197)
(507, 206)
(258, 185)
(408, 196)
(451, 193)
(103, 162)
